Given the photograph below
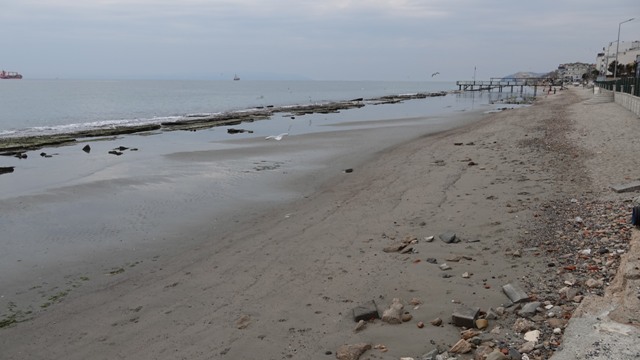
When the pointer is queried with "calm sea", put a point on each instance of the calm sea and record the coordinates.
(37, 107)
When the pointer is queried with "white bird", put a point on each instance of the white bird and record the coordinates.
(277, 137)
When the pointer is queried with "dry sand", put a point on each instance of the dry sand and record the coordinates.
(283, 285)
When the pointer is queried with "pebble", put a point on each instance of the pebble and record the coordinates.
(482, 323)
(532, 335)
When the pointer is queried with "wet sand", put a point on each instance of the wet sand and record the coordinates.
(279, 275)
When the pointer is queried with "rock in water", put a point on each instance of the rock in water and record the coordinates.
(86, 149)
(352, 352)
(393, 315)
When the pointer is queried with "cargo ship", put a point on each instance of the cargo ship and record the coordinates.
(9, 75)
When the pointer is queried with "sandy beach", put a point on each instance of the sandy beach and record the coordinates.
(280, 276)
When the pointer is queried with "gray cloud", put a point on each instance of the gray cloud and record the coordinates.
(341, 39)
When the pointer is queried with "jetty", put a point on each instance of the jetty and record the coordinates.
(501, 83)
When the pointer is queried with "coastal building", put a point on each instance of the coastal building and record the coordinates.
(574, 71)
(628, 51)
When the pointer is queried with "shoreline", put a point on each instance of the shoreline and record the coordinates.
(17, 146)
(284, 283)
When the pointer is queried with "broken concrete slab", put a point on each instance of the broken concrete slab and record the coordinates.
(628, 187)
(515, 293)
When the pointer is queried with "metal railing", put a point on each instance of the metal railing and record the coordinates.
(630, 85)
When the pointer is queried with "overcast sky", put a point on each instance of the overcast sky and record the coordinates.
(312, 39)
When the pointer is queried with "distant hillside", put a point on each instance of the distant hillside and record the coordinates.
(524, 74)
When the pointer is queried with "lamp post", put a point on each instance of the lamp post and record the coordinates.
(615, 69)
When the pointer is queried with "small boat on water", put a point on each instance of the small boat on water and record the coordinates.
(235, 77)
(9, 75)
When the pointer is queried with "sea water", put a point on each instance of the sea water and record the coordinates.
(38, 107)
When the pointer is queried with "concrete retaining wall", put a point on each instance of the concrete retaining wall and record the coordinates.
(628, 101)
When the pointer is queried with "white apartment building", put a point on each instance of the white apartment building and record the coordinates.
(574, 71)
(627, 53)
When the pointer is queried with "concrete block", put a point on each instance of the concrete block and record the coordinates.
(515, 293)
(366, 312)
(465, 317)
(628, 187)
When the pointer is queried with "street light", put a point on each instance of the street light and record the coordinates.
(615, 69)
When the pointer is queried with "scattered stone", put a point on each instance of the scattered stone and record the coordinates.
(449, 237)
(381, 347)
(352, 352)
(431, 355)
(514, 354)
(527, 347)
(515, 293)
(432, 261)
(420, 324)
(406, 250)
(529, 309)
(445, 267)
(415, 301)
(243, 322)
(348, 171)
(482, 352)
(461, 347)
(393, 315)
(406, 317)
(445, 275)
(482, 324)
(360, 326)
(367, 311)
(521, 325)
(556, 323)
(491, 314)
(496, 355)
(429, 238)
(436, 322)
(465, 317)
(557, 331)
(469, 333)
(592, 283)
(466, 275)
(394, 248)
(532, 335)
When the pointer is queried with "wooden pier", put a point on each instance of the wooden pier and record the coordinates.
(500, 84)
